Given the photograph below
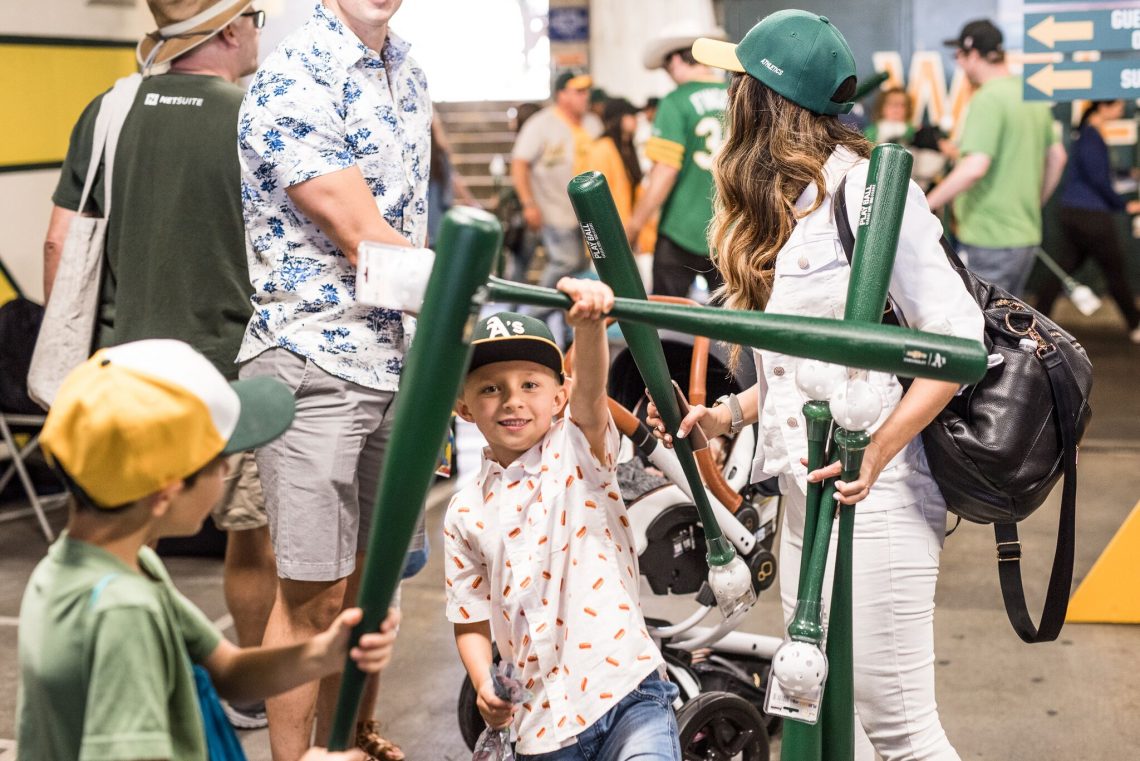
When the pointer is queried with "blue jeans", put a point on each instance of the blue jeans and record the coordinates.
(1007, 268)
(565, 253)
(641, 727)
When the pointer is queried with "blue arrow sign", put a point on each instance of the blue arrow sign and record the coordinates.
(1094, 80)
(1105, 30)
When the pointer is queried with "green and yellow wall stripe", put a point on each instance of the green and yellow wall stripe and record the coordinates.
(47, 82)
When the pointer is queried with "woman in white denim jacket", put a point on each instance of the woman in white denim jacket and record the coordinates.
(775, 242)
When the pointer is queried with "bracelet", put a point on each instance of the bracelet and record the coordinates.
(734, 410)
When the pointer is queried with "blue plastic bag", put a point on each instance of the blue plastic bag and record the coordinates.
(221, 740)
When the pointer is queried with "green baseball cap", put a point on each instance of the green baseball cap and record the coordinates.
(509, 336)
(800, 55)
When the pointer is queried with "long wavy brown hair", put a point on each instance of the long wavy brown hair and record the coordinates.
(772, 151)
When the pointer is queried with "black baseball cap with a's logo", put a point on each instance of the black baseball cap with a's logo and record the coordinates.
(509, 336)
(980, 35)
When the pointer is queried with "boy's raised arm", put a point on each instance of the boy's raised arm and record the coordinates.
(588, 406)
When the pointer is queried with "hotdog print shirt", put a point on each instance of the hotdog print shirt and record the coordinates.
(543, 550)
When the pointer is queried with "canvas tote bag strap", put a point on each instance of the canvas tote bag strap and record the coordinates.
(108, 124)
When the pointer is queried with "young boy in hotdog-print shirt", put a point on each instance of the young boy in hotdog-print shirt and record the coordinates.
(540, 554)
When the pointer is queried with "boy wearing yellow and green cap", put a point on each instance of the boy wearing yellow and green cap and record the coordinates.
(540, 552)
(140, 433)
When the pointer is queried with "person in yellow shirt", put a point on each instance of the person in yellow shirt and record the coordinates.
(613, 154)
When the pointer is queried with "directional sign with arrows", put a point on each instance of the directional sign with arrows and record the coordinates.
(1103, 30)
(1093, 80)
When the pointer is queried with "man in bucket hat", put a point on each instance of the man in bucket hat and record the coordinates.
(175, 249)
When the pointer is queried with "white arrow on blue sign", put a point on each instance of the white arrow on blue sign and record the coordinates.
(1103, 30)
(1093, 80)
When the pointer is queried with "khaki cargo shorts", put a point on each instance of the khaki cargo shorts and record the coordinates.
(243, 504)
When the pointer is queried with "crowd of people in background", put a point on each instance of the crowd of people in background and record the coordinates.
(303, 192)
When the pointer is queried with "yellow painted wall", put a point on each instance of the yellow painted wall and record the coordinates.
(46, 85)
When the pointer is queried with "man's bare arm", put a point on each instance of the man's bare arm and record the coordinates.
(966, 172)
(342, 206)
(658, 185)
(1055, 159)
(53, 245)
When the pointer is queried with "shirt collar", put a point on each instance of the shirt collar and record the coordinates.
(531, 460)
(834, 170)
(347, 48)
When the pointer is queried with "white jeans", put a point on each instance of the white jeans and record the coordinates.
(895, 568)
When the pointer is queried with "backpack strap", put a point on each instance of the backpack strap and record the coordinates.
(847, 240)
(1009, 546)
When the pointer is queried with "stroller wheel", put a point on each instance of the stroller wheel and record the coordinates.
(720, 726)
(471, 723)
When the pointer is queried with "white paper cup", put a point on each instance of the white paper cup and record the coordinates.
(392, 277)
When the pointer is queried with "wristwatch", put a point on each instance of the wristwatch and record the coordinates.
(735, 410)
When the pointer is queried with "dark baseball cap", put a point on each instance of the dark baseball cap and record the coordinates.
(573, 79)
(800, 55)
(509, 336)
(980, 35)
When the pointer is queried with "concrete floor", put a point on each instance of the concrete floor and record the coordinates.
(1076, 698)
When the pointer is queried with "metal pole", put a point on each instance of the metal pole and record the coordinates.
(469, 239)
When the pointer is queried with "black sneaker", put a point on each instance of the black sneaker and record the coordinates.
(246, 715)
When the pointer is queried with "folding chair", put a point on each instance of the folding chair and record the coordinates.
(13, 425)
(10, 426)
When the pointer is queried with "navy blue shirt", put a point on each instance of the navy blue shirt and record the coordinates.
(1088, 184)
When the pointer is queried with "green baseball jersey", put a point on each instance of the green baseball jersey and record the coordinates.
(687, 133)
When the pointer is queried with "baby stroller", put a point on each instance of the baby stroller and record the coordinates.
(722, 674)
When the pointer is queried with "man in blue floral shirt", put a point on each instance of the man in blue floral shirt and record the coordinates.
(334, 139)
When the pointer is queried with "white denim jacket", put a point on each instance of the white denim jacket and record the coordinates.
(811, 280)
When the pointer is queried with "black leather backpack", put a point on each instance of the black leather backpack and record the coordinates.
(999, 447)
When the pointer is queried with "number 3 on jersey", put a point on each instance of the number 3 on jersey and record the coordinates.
(712, 131)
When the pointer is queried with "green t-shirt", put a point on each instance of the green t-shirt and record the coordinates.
(105, 660)
(1003, 209)
(176, 245)
(687, 132)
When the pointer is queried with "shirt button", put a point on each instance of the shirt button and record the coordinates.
(804, 263)
(778, 372)
(793, 423)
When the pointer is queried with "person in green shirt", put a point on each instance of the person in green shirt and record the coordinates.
(687, 131)
(141, 433)
(175, 256)
(1011, 162)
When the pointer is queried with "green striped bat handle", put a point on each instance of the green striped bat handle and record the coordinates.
(469, 240)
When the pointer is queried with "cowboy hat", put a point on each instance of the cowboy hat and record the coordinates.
(184, 25)
(675, 36)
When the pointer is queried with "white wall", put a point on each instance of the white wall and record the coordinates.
(619, 32)
(27, 195)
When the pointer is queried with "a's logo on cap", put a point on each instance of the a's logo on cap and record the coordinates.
(772, 67)
(496, 328)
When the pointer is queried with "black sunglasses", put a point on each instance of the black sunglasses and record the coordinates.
(258, 18)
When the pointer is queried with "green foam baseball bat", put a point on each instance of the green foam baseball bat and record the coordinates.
(886, 348)
(598, 216)
(469, 240)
